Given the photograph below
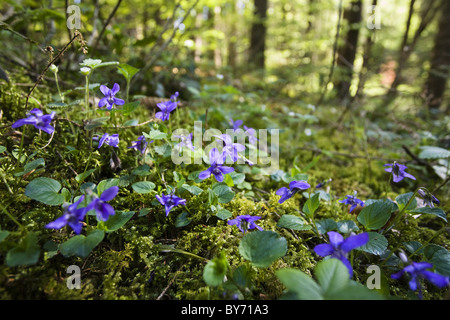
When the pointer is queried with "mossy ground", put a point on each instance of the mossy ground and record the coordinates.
(130, 263)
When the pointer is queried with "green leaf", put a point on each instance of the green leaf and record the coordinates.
(298, 282)
(311, 205)
(3, 235)
(333, 283)
(325, 225)
(223, 192)
(82, 245)
(223, 214)
(262, 248)
(106, 184)
(143, 170)
(332, 275)
(26, 253)
(116, 221)
(155, 135)
(431, 152)
(439, 257)
(237, 178)
(143, 186)
(182, 220)
(375, 215)
(91, 63)
(82, 176)
(403, 199)
(192, 189)
(438, 212)
(45, 190)
(215, 270)
(242, 276)
(194, 176)
(129, 107)
(347, 226)
(127, 71)
(293, 222)
(377, 244)
(30, 166)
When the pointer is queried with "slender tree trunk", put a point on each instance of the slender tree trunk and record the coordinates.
(440, 61)
(258, 35)
(427, 14)
(347, 51)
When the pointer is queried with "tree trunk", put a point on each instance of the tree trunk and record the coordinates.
(256, 56)
(440, 61)
(347, 52)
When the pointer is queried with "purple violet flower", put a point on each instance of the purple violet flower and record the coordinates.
(140, 144)
(185, 141)
(353, 201)
(418, 270)
(398, 171)
(251, 133)
(110, 140)
(245, 222)
(236, 124)
(294, 187)
(102, 209)
(216, 160)
(71, 217)
(230, 149)
(339, 247)
(110, 97)
(167, 107)
(37, 118)
(428, 199)
(170, 201)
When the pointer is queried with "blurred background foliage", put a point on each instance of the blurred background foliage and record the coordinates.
(179, 44)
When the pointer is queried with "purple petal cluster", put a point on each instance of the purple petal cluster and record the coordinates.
(140, 144)
(245, 222)
(352, 201)
(251, 133)
(236, 124)
(294, 187)
(216, 169)
(185, 141)
(38, 119)
(167, 107)
(102, 209)
(429, 200)
(418, 270)
(170, 201)
(398, 171)
(110, 97)
(229, 148)
(110, 140)
(339, 247)
(71, 217)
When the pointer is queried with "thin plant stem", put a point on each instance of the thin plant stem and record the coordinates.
(12, 217)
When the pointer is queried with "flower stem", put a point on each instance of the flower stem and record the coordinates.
(401, 213)
(12, 217)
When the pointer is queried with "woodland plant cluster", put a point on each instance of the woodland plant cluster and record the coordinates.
(91, 183)
(356, 207)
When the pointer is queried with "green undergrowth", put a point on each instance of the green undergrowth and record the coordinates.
(153, 257)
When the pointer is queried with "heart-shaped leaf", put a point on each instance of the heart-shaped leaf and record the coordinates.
(45, 190)
(262, 248)
(82, 245)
